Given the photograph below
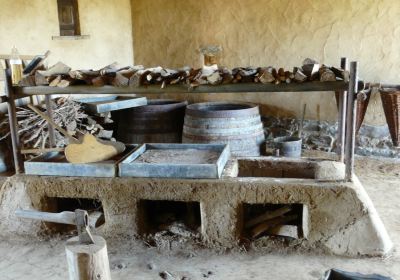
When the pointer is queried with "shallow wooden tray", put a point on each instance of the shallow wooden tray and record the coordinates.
(131, 167)
(55, 164)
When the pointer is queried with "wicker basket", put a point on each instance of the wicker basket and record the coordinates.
(362, 105)
(391, 106)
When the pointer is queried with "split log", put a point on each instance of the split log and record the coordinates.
(263, 227)
(340, 73)
(288, 77)
(326, 74)
(268, 215)
(58, 69)
(311, 71)
(215, 78)
(227, 76)
(98, 81)
(281, 75)
(65, 83)
(27, 81)
(40, 80)
(120, 80)
(109, 69)
(266, 75)
(55, 81)
(308, 61)
(84, 75)
(127, 73)
(284, 230)
(299, 76)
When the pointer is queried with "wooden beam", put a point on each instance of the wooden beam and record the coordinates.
(351, 121)
(156, 89)
(341, 135)
(12, 120)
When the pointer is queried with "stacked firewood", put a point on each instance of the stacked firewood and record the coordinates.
(275, 222)
(67, 113)
(61, 75)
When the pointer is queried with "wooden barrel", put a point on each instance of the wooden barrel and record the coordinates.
(236, 124)
(160, 121)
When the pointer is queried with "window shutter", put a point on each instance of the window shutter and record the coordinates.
(68, 17)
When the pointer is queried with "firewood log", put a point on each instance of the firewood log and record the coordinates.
(120, 80)
(215, 78)
(40, 80)
(98, 81)
(268, 216)
(58, 69)
(326, 74)
(27, 81)
(261, 228)
(281, 75)
(299, 76)
(311, 71)
(55, 81)
(66, 82)
(340, 73)
(227, 76)
(265, 75)
(139, 78)
(288, 77)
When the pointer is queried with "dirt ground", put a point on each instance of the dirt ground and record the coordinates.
(34, 260)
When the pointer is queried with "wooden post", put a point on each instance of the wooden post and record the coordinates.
(87, 262)
(12, 119)
(351, 120)
(49, 110)
(341, 134)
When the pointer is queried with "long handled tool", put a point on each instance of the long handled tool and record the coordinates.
(86, 254)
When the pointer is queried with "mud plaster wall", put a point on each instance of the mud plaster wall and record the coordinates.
(30, 25)
(274, 32)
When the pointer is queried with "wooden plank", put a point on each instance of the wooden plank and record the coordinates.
(111, 103)
(244, 87)
(41, 151)
(23, 57)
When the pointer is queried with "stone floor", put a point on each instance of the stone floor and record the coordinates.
(34, 260)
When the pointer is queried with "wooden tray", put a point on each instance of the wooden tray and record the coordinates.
(111, 103)
(176, 161)
(55, 164)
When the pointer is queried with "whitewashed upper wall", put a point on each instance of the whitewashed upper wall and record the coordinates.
(275, 32)
(30, 25)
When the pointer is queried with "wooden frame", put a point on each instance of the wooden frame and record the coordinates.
(347, 110)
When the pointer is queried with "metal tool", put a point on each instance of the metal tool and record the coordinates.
(79, 218)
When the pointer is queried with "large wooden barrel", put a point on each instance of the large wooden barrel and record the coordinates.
(236, 124)
(160, 121)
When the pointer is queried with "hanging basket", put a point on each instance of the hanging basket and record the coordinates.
(391, 106)
(362, 105)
